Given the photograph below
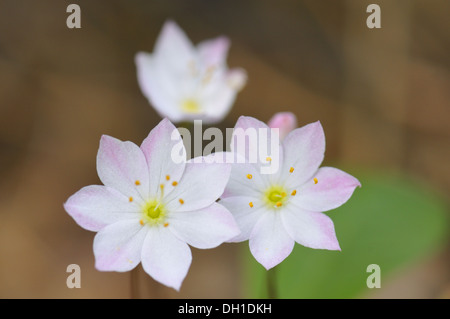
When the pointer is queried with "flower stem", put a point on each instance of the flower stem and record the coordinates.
(134, 283)
(272, 292)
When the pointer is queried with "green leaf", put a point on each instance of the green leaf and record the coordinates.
(391, 221)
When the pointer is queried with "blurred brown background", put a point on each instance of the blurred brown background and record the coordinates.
(382, 96)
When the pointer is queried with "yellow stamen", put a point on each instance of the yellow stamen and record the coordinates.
(250, 204)
(193, 68)
(269, 159)
(137, 182)
(167, 177)
(174, 183)
(315, 180)
(294, 192)
(291, 170)
(278, 204)
(141, 222)
(208, 74)
(283, 194)
(166, 224)
(130, 199)
(181, 201)
(249, 176)
(161, 186)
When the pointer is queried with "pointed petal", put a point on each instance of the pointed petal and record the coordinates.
(117, 247)
(217, 96)
(246, 127)
(162, 149)
(205, 228)
(334, 187)
(158, 86)
(270, 244)
(94, 207)
(310, 229)
(257, 143)
(237, 79)
(246, 216)
(201, 185)
(304, 150)
(214, 51)
(166, 258)
(285, 121)
(120, 165)
(173, 48)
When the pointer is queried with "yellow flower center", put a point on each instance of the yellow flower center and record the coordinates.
(153, 212)
(275, 196)
(190, 106)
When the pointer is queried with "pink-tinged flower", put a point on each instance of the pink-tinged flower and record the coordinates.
(150, 207)
(284, 121)
(184, 82)
(276, 210)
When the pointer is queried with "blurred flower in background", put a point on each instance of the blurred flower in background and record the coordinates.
(284, 121)
(186, 83)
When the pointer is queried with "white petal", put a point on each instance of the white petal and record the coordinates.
(159, 85)
(246, 216)
(205, 228)
(218, 96)
(165, 166)
(236, 79)
(122, 166)
(260, 145)
(330, 189)
(173, 48)
(201, 185)
(94, 207)
(217, 101)
(246, 126)
(117, 247)
(310, 229)
(166, 258)
(213, 52)
(270, 244)
(245, 180)
(304, 150)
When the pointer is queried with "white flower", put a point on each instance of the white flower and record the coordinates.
(186, 83)
(150, 208)
(276, 210)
